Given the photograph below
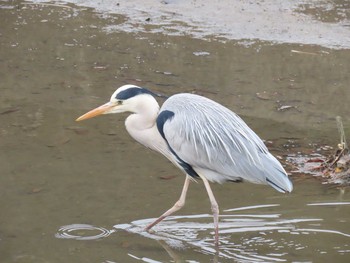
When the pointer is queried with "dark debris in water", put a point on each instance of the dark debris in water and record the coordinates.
(334, 169)
(331, 167)
(9, 110)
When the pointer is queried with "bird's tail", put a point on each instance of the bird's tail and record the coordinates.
(283, 184)
(277, 177)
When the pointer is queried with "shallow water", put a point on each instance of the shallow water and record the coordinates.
(81, 192)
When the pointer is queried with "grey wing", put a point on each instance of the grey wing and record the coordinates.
(218, 144)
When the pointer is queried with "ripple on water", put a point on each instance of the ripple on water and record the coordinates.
(82, 232)
(247, 234)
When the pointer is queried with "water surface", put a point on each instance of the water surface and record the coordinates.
(81, 192)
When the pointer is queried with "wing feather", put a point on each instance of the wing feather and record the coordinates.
(217, 142)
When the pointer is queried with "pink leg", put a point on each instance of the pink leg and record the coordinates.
(177, 206)
(214, 209)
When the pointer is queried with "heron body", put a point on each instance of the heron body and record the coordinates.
(203, 138)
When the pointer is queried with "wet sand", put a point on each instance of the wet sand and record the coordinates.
(322, 23)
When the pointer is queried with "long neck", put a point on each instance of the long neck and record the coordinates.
(141, 125)
(144, 114)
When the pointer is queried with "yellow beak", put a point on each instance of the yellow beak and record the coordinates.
(95, 112)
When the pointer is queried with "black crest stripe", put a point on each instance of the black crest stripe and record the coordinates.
(132, 92)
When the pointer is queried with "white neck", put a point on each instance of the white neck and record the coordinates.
(141, 125)
(145, 111)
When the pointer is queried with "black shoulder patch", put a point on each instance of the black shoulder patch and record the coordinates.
(162, 118)
(132, 92)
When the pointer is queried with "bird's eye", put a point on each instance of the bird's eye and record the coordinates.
(119, 102)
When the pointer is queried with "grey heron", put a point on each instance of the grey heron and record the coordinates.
(204, 139)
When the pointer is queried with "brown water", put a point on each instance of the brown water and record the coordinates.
(81, 192)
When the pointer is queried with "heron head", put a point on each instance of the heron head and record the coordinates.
(125, 99)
